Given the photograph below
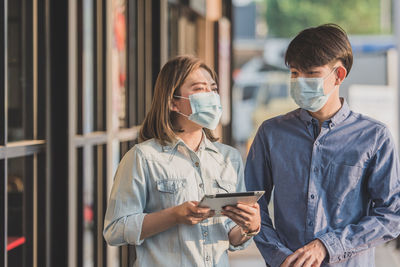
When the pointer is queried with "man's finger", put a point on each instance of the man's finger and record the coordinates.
(289, 260)
(309, 262)
(300, 260)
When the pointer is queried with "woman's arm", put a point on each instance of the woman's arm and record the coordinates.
(248, 221)
(186, 213)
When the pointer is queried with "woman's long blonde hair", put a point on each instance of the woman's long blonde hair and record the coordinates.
(159, 122)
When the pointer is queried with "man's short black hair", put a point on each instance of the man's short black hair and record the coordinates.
(318, 46)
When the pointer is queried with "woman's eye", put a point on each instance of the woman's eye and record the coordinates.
(215, 90)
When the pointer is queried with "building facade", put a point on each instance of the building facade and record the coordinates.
(76, 83)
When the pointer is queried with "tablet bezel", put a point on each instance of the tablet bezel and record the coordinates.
(218, 201)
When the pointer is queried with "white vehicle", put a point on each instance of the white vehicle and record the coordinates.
(257, 87)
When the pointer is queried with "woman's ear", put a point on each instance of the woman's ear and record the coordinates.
(341, 73)
(173, 105)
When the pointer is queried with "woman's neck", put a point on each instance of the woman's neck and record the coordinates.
(191, 137)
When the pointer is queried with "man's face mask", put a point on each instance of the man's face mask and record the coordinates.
(308, 93)
(206, 109)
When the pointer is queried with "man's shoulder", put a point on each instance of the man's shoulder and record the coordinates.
(281, 120)
(368, 122)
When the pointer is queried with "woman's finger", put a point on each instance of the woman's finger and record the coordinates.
(236, 218)
(247, 208)
(239, 212)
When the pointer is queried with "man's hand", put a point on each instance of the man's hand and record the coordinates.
(190, 213)
(311, 255)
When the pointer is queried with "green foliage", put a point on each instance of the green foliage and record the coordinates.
(286, 18)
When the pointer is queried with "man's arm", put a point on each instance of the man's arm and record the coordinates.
(258, 177)
(382, 222)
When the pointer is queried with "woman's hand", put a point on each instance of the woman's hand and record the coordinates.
(190, 213)
(245, 216)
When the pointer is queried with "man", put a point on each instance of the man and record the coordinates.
(335, 173)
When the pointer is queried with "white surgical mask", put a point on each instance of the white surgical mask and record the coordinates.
(206, 109)
(308, 93)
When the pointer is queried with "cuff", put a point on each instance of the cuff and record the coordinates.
(278, 256)
(229, 224)
(133, 229)
(333, 246)
(241, 246)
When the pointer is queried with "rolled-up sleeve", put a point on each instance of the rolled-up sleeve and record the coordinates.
(240, 187)
(382, 222)
(124, 216)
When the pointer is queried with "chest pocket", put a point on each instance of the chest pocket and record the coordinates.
(172, 192)
(344, 181)
(223, 186)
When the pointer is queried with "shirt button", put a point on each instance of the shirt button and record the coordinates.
(207, 258)
(310, 223)
(312, 196)
(205, 234)
(201, 185)
(316, 143)
(197, 164)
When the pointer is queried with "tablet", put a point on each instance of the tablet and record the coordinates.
(218, 201)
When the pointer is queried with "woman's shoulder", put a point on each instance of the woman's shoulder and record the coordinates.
(146, 149)
(227, 151)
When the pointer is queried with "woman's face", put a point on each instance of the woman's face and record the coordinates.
(199, 81)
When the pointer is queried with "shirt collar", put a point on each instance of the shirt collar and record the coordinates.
(209, 145)
(340, 116)
(205, 144)
(169, 146)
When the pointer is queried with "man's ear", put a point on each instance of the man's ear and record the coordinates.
(341, 73)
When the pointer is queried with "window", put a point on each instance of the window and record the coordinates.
(22, 156)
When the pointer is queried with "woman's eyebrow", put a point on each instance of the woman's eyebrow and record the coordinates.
(202, 83)
(197, 83)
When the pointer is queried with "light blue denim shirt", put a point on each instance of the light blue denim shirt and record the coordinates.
(152, 177)
(340, 185)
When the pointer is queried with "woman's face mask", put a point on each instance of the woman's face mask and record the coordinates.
(206, 109)
(308, 93)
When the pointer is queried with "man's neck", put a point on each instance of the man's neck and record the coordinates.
(328, 111)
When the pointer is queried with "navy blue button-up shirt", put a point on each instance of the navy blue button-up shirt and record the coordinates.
(339, 184)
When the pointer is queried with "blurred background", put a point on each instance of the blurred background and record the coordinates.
(77, 80)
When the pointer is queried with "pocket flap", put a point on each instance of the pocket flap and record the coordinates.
(171, 186)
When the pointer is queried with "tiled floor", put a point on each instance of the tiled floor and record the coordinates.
(386, 256)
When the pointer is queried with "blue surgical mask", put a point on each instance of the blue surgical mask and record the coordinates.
(308, 93)
(206, 109)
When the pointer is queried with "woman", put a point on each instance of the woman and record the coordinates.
(158, 184)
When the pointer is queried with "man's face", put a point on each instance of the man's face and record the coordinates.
(327, 72)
